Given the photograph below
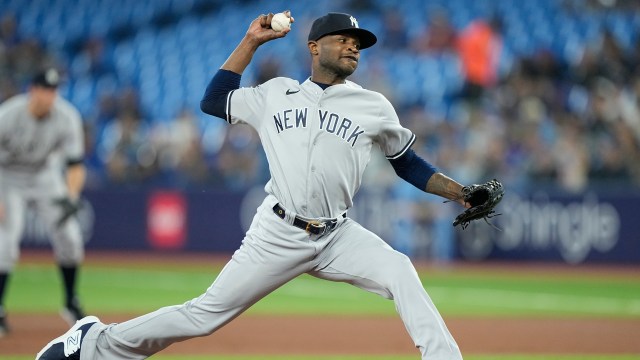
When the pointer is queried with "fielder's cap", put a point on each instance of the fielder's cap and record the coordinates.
(49, 78)
(334, 23)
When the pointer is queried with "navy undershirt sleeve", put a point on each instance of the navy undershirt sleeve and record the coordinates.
(413, 169)
(214, 100)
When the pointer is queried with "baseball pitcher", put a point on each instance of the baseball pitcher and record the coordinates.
(318, 136)
(35, 129)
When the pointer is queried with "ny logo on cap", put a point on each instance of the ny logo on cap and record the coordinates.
(354, 22)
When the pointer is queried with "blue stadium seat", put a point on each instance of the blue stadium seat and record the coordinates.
(180, 58)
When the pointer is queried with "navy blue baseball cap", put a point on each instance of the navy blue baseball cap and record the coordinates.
(334, 23)
(49, 78)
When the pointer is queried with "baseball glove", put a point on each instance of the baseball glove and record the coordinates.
(69, 209)
(483, 198)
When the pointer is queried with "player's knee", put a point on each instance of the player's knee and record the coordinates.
(398, 269)
(402, 263)
(71, 257)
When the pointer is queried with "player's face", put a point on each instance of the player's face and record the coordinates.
(339, 54)
(41, 100)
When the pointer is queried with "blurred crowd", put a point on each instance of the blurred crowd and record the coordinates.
(545, 121)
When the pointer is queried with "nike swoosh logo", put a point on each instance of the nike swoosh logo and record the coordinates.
(289, 92)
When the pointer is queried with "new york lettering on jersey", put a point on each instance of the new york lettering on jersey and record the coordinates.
(290, 118)
(330, 122)
(347, 130)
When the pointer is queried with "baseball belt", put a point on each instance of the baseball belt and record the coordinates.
(312, 227)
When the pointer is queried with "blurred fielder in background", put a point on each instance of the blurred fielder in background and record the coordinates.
(36, 128)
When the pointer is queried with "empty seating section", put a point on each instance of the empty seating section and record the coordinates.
(168, 49)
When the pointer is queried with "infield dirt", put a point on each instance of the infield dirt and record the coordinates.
(253, 334)
(271, 334)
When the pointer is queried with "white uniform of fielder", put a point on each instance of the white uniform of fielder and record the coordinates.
(32, 149)
(30, 174)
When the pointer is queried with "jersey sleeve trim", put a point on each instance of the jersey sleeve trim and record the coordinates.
(228, 109)
(404, 149)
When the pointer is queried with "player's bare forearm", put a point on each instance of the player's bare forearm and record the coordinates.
(76, 175)
(259, 32)
(442, 185)
(241, 56)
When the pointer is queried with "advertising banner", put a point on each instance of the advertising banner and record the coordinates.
(573, 229)
(586, 228)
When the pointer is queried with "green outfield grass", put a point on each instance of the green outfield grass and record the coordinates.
(306, 357)
(492, 357)
(456, 292)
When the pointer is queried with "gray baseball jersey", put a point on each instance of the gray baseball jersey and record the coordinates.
(31, 152)
(318, 143)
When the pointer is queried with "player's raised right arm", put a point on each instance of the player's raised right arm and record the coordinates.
(259, 32)
(228, 77)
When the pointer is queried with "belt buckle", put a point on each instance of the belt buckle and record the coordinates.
(316, 225)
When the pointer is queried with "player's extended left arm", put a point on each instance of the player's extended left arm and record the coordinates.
(421, 174)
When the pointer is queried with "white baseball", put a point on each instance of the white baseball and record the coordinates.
(280, 21)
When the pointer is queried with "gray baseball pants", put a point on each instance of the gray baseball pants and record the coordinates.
(272, 253)
(66, 240)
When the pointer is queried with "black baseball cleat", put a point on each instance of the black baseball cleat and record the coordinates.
(68, 345)
(72, 312)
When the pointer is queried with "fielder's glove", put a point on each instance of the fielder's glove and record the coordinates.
(483, 198)
(68, 207)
